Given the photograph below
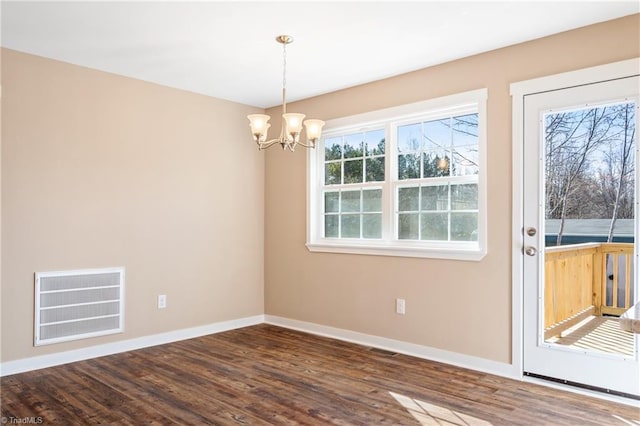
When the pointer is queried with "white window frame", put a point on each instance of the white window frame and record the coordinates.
(389, 119)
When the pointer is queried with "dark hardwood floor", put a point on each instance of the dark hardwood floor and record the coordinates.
(270, 375)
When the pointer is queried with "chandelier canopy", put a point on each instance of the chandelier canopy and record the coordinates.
(292, 122)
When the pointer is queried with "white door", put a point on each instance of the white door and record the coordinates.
(580, 162)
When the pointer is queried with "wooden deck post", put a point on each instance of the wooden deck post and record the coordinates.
(599, 271)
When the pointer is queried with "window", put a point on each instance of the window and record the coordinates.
(437, 191)
(354, 165)
(404, 181)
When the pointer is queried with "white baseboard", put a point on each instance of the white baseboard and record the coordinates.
(51, 360)
(425, 352)
(419, 351)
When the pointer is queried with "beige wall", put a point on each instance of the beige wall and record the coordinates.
(100, 170)
(463, 307)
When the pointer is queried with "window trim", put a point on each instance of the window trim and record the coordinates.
(389, 118)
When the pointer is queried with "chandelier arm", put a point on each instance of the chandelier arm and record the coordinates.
(311, 145)
(268, 144)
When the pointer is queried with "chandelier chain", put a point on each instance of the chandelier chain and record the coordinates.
(284, 65)
(291, 126)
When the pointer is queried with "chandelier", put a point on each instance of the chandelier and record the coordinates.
(292, 122)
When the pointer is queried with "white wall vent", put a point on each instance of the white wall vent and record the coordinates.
(72, 305)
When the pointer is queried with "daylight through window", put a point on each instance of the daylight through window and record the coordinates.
(406, 181)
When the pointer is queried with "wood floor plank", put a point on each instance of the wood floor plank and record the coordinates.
(267, 375)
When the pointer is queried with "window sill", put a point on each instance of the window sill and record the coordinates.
(399, 250)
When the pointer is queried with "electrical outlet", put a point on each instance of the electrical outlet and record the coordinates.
(400, 306)
(162, 301)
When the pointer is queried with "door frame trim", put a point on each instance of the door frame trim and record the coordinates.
(518, 91)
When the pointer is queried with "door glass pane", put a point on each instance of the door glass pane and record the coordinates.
(589, 172)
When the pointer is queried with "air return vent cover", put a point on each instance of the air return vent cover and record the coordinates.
(72, 305)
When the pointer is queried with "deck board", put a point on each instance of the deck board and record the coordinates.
(598, 334)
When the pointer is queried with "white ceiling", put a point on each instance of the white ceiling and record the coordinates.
(227, 49)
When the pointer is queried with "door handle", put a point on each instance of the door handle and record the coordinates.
(530, 251)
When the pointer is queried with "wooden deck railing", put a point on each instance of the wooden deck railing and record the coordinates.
(586, 279)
